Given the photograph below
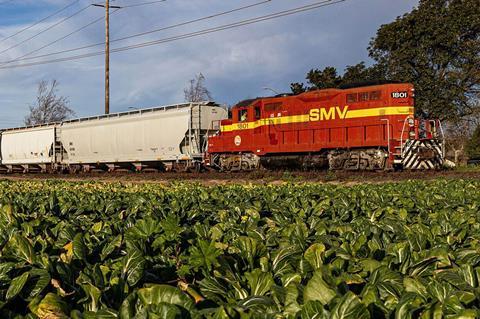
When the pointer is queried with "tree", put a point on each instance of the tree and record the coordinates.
(49, 107)
(473, 145)
(436, 47)
(196, 91)
(360, 73)
(323, 79)
(297, 88)
(329, 78)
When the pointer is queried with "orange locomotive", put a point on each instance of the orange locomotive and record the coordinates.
(362, 128)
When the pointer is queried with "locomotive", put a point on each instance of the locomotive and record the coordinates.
(361, 128)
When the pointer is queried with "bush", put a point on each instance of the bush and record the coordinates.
(473, 145)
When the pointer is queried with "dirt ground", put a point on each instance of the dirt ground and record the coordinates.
(260, 177)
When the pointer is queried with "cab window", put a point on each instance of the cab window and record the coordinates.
(258, 113)
(242, 115)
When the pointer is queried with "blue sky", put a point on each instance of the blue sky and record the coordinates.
(237, 63)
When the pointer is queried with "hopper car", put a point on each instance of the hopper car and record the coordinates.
(361, 128)
(161, 138)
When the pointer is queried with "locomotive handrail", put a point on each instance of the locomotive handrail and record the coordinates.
(403, 132)
(443, 137)
(388, 135)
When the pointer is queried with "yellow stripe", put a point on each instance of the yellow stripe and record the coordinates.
(399, 110)
(351, 114)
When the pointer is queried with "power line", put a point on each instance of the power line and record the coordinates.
(20, 58)
(5, 2)
(216, 15)
(46, 29)
(279, 14)
(143, 4)
(40, 21)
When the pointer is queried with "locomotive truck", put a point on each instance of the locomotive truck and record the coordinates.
(361, 128)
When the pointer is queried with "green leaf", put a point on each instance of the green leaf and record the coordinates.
(79, 248)
(133, 266)
(249, 248)
(317, 289)
(17, 285)
(171, 227)
(291, 297)
(165, 311)
(313, 310)
(158, 294)
(350, 307)
(260, 282)
(93, 294)
(409, 303)
(111, 246)
(204, 254)
(101, 314)
(41, 278)
(51, 307)
(5, 268)
(281, 260)
(314, 255)
(414, 285)
(256, 302)
(144, 228)
(23, 249)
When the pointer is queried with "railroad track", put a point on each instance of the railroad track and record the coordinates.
(251, 177)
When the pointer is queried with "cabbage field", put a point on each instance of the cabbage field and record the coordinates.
(110, 250)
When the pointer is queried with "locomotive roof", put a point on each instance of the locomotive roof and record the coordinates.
(322, 92)
(249, 102)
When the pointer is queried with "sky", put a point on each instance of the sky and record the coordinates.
(237, 63)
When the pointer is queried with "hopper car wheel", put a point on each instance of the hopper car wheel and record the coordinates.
(73, 169)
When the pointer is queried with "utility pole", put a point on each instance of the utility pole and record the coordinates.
(107, 7)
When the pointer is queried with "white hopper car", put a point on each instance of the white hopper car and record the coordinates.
(165, 138)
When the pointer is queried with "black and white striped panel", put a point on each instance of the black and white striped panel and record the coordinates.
(411, 158)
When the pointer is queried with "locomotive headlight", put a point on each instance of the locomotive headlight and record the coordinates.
(412, 94)
(411, 122)
(412, 134)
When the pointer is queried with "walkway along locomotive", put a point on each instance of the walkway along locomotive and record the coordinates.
(362, 128)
